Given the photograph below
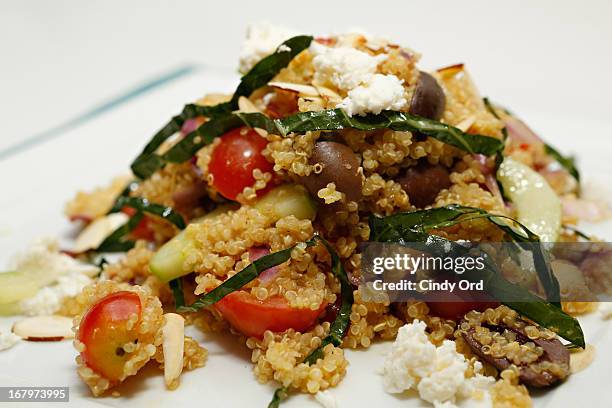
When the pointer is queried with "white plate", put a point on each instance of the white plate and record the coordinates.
(37, 181)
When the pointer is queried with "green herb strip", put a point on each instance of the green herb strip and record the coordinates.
(279, 395)
(116, 241)
(337, 329)
(568, 163)
(407, 228)
(176, 285)
(257, 77)
(334, 119)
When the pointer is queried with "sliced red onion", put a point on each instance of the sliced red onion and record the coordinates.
(520, 132)
(190, 125)
(489, 174)
(269, 274)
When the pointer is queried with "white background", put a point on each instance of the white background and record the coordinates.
(58, 58)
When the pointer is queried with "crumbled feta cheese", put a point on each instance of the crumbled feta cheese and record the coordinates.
(326, 399)
(344, 67)
(382, 92)
(43, 261)
(605, 309)
(262, 39)
(8, 340)
(43, 255)
(48, 300)
(438, 373)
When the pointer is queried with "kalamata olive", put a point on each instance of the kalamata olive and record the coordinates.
(423, 183)
(339, 166)
(503, 339)
(428, 100)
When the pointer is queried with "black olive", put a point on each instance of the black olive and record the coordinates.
(339, 166)
(423, 183)
(428, 99)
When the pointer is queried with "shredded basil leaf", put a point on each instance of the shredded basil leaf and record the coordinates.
(177, 292)
(568, 163)
(240, 279)
(338, 327)
(258, 76)
(132, 186)
(578, 232)
(333, 119)
(116, 241)
(412, 229)
(144, 205)
(279, 395)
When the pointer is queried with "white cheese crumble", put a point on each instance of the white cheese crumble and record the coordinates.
(44, 256)
(437, 373)
(326, 399)
(262, 39)
(44, 262)
(48, 300)
(344, 67)
(382, 92)
(8, 340)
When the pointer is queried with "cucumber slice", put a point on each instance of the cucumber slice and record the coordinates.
(537, 206)
(16, 286)
(167, 263)
(288, 199)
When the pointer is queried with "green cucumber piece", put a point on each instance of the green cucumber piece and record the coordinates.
(288, 199)
(17, 285)
(537, 206)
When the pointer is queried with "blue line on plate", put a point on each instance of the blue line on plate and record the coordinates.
(56, 131)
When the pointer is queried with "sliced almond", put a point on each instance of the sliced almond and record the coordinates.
(93, 235)
(246, 106)
(581, 359)
(173, 337)
(466, 123)
(44, 328)
(303, 90)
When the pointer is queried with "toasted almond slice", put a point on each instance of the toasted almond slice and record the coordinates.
(93, 235)
(466, 123)
(581, 359)
(44, 328)
(173, 335)
(246, 106)
(303, 90)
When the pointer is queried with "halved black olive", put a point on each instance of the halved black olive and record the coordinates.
(428, 99)
(502, 338)
(339, 165)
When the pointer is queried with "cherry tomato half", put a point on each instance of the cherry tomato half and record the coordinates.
(234, 159)
(253, 317)
(104, 330)
(456, 305)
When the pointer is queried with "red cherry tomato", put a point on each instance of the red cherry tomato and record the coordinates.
(104, 330)
(456, 310)
(234, 159)
(456, 305)
(253, 317)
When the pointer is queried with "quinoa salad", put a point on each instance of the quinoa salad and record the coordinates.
(248, 213)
